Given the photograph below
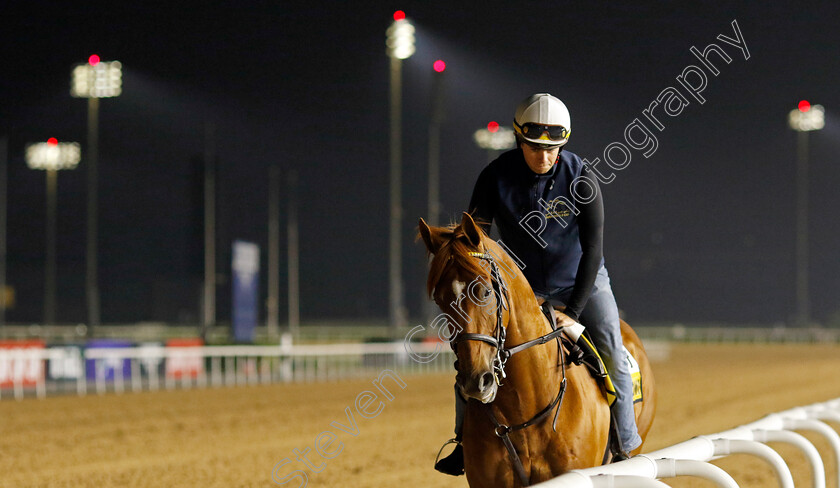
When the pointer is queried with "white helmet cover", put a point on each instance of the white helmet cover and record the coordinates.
(545, 110)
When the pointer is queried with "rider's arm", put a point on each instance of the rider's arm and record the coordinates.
(482, 204)
(591, 227)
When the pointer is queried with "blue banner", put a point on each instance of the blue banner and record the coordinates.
(105, 368)
(246, 272)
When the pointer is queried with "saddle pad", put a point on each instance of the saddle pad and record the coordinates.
(635, 375)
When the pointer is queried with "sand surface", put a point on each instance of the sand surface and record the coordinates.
(234, 437)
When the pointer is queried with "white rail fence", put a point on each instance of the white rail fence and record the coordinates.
(691, 458)
(46, 371)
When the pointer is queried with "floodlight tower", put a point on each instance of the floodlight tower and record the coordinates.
(51, 156)
(804, 119)
(400, 46)
(433, 198)
(94, 80)
(435, 122)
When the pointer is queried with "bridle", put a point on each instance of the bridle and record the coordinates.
(502, 354)
(497, 340)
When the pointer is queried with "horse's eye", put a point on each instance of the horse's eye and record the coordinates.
(487, 293)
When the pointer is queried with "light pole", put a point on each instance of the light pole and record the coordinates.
(804, 119)
(94, 80)
(436, 119)
(400, 45)
(4, 153)
(51, 156)
(437, 116)
(273, 306)
(208, 301)
(293, 255)
(494, 138)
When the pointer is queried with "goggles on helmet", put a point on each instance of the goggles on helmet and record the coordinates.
(540, 132)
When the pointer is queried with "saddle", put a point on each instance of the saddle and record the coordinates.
(579, 350)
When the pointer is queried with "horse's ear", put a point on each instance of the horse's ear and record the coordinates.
(431, 237)
(470, 229)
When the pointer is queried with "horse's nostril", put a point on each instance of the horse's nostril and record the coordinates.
(485, 381)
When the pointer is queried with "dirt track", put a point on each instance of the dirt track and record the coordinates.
(234, 437)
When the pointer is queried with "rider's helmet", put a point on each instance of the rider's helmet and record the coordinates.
(542, 119)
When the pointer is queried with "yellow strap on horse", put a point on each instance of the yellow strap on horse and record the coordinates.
(635, 373)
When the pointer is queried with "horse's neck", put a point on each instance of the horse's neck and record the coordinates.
(526, 318)
(533, 372)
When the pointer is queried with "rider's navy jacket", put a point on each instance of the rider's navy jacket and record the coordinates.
(529, 210)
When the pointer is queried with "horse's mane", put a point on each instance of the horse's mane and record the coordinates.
(454, 252)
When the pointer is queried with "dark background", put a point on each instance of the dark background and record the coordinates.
(703, 230)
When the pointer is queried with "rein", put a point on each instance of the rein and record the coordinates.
(497, 340)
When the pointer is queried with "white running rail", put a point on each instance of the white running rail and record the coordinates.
(32, 371)
(691, 458)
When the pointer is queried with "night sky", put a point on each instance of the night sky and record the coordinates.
(702, 230)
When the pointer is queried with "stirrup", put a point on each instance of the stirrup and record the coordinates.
(450, 441)
(445, 465)
(619, 456)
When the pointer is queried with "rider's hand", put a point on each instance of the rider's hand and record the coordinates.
(564, 320)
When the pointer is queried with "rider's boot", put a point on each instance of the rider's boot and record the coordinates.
(453, 464)
(617, 452)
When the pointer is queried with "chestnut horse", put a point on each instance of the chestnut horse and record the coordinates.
(547, 417)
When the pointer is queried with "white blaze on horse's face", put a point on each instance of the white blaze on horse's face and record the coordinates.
(458, 287)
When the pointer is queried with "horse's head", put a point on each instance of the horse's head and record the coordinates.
(465, 282)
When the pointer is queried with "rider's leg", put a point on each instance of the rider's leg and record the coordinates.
(600, 316)
(460, 411)
(454, 463)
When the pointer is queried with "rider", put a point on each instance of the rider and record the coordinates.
(561, 247)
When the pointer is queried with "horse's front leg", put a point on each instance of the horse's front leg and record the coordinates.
(486, 461)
